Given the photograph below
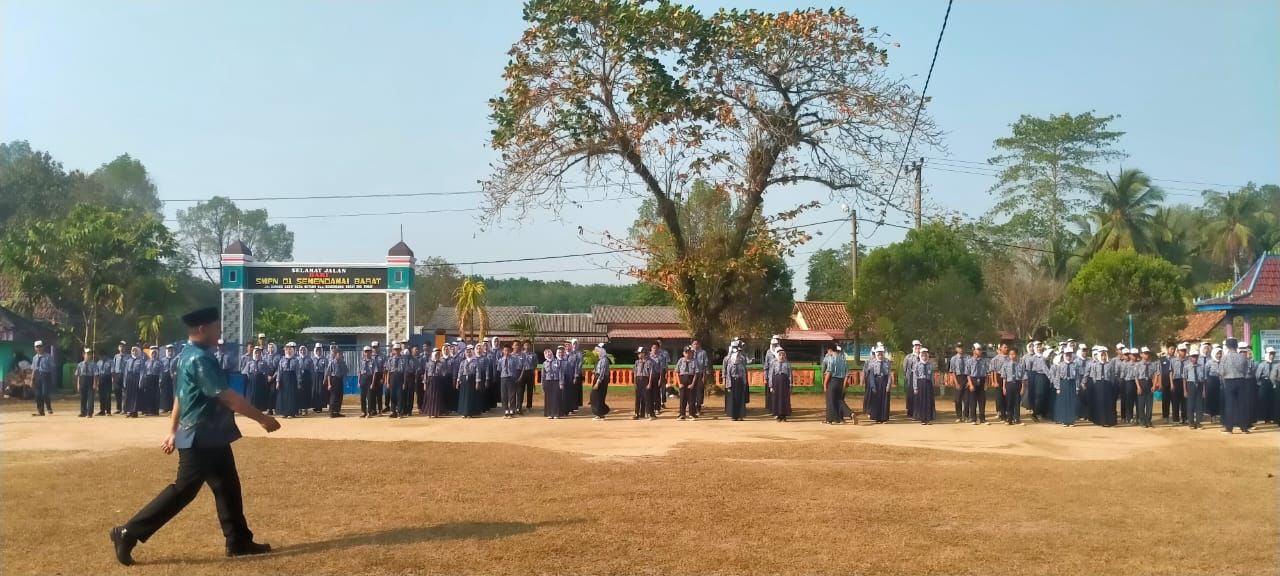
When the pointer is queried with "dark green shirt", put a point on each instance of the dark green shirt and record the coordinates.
(203, 420)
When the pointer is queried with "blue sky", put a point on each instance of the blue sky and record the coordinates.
(302, 98)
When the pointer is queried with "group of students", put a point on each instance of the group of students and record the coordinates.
(1071, 382)
(1066, 383)
(142, 383)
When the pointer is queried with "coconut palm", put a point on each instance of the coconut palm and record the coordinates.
(149, 328)
(469, 304)
(1124, 218)
(1231, 232)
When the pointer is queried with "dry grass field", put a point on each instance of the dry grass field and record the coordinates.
(489, 496)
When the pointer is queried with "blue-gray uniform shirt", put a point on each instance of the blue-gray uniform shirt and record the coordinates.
(700, 361)
(288, 364)
(42, 364)
(957, 365)
(137, 366)
(602, 369)
(251, 368)
(1145, 370)
(1275, 372)
(507, 367)
(1233, 365)
(921, 371)
(171, 366)
(734, 369)
(203, 420)
(1177, 368)
(87, 369)
(335, 367)
(120, 363)
(836, 366)
(368, 366)
(909, 363)
(155, 366)
(1263, 370)
(1211, 368)
(1013, 371)
(876, 368)
(779, 368)
(1063, 371)
(686, 367)
(1194, 372)
(978, 367)
(642, 368)
(551, 369)
(996, 364)
(1036, 364)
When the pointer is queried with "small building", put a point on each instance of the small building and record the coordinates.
(551, 330)
(814, 324)
(18, 335)
(1256, 293)
(630, 327)
(443, 324)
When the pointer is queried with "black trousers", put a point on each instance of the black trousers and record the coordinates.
(335, 395)
(104, 395)
(376, 400)
(1175, 399)
(196, 467)
(975, 401)
(1012, 409)
(643, 406)
(527, 381)
(598, 395)
(150, 398)
(687, 406)
(394, 391)
(699, 392)
(962, 394)
(117, 388)
(86, 395)
(366, 395)
(42, 382)
(511, 390)
(1128, 399)
(835, 400)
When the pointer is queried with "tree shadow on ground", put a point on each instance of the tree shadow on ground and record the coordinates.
(399, 536)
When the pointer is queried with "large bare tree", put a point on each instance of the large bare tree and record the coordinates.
(655, 95)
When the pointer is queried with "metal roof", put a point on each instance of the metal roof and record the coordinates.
(635, 315)
(378, 329)
(500, 318)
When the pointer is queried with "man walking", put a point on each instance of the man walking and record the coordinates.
(202, 429)
(41, 378)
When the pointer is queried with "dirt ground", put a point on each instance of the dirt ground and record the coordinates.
(576, 496)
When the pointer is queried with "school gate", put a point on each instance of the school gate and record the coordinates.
(242, 278)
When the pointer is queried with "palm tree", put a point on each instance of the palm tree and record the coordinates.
(1231, 232)
(149, 328)
(469, 303)
(1124, 218)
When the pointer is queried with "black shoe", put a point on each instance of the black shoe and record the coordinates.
(250, 549)
(38, 414)
(123, 544)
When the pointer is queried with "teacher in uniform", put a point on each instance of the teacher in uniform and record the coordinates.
(202, 430)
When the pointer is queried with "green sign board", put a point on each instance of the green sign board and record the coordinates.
(314, 278)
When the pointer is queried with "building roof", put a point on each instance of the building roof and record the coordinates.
(1200, 324)
(1258, 288)
(635, 315)
(237, 247)
(648, 334)
(831, 317)
(44, 310)
(796, 335)
(547, 324)
(378, 329)
(16, 327)
(400, 249)
(500, 318)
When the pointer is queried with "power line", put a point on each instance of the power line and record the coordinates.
(996, 167)
(1176, 191)
(914, 121)
(409, 212)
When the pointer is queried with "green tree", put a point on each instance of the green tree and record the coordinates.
(1124, 216)
(1045, 165)
(149, 328)
(87, 262)
(208, 227)
(434, 284)
(1236, 224)
(525, 328)
(603, 90)
(931, 256)
(556, 297)
(32, 185)
(1113, 285)
(470, 306)
(943, 310)
(281, 325)
(127, 185)
(829, 277)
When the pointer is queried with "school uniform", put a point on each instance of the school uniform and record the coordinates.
(1065, 377)
(508, 369)
(770, 356)
(368, 371)
(319, 386)
(255, 372)
(600, 390)
(875, 378)
(976, 399)
(1041, 390)
(641, 373)
(1175, 392)
(996, 367)
(1101, 393)
(1144, 372)
(686, 372)
(378, 404)
(1263, 411)
(908, 383)
(151, 386)
(1129, 391)
(701, 366)
(1194, 376)
(923, 405)
(1234, 370)
(780, 388)
(287, 371)
(735, 377)
(104, 387)
(167, 379)
(1014, 375)
(551, 389)
(1213, 388)
(467, 382)
(335, 372)
(835, 366)
(306, 380)
(86, 375)
(134, 371)
(958, 366)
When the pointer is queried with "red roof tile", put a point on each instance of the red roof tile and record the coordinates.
(1260, 286)
(797, 335)
(648, 334)
(1200, 325)
(831, 317)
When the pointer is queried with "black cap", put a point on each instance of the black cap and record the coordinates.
(1231, 344)
(200, 317)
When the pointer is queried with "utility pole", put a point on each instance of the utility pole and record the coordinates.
(853, 252)
(918, 166)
